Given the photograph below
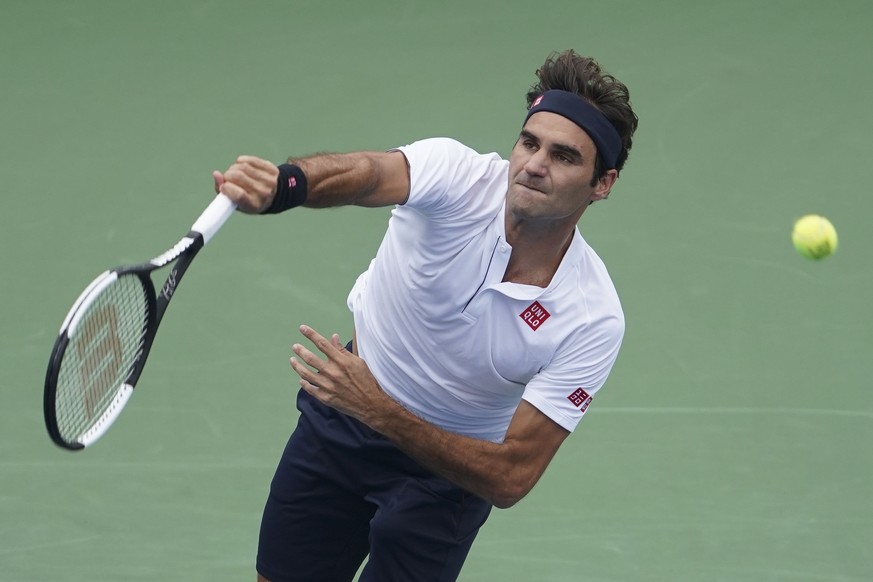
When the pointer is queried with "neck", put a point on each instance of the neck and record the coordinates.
(536, 252)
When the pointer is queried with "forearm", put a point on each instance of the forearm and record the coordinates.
(361, 178)
(338, 179)
(502, 473)
(497, 472)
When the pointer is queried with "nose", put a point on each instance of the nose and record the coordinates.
(536, 163)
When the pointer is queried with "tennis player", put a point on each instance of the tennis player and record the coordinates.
(484, 327)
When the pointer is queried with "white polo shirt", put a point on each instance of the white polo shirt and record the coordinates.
(447, 338)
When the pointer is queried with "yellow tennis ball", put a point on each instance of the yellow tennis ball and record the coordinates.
(814, 236)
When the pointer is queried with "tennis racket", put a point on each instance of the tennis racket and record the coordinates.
(106, 337)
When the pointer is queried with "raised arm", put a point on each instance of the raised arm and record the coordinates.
(362, 179)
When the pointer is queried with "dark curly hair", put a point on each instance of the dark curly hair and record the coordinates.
(583, 76)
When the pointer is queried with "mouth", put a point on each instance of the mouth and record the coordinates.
(528, 186)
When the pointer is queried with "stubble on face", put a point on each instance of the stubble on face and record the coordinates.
(550, 171)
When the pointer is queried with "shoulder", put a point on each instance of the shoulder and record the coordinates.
(439, 145)
(443, 172)
(445, 152)
(588, 287)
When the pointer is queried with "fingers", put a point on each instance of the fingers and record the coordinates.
(256, 162)
(328, 348)
(306, 375)
(253, 177)
(308, 357)
(218, 178)
(250, 182)
(314, 371)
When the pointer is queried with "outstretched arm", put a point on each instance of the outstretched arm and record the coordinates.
(501, 473)
(362, 179)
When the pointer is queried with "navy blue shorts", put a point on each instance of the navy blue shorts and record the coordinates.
(343, 491)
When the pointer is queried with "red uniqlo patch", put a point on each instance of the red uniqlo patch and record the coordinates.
(535, 315)
(580, 399)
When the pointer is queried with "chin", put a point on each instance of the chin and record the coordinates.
(522, 209)
(525, 192)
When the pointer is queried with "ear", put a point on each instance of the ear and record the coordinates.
(604, 185)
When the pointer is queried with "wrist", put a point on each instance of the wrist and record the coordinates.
(391, 419)
(291, 189)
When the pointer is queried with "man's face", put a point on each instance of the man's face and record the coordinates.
(550, 171)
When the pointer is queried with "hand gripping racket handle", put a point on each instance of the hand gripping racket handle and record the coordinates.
(215, 215)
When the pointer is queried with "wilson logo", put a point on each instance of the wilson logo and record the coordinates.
(170, 286)
(580, 399)
(99, 354)
(535, 315)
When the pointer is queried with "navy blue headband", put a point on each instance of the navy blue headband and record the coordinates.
(586, 116)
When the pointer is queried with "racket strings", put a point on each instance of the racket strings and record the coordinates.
(101, 355)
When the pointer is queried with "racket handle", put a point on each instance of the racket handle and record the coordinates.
(215, 215)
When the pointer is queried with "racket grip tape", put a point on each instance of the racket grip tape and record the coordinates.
(215, 215)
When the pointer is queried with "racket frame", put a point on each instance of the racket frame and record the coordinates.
(183, 252)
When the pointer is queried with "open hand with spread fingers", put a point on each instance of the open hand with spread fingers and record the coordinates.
(342, 380)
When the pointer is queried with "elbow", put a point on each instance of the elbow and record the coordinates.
(508, 492)
(504, 502)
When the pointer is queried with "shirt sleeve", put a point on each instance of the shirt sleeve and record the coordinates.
(443, 174)
(565, 388)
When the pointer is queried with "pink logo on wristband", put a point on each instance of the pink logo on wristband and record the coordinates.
(292, 182)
